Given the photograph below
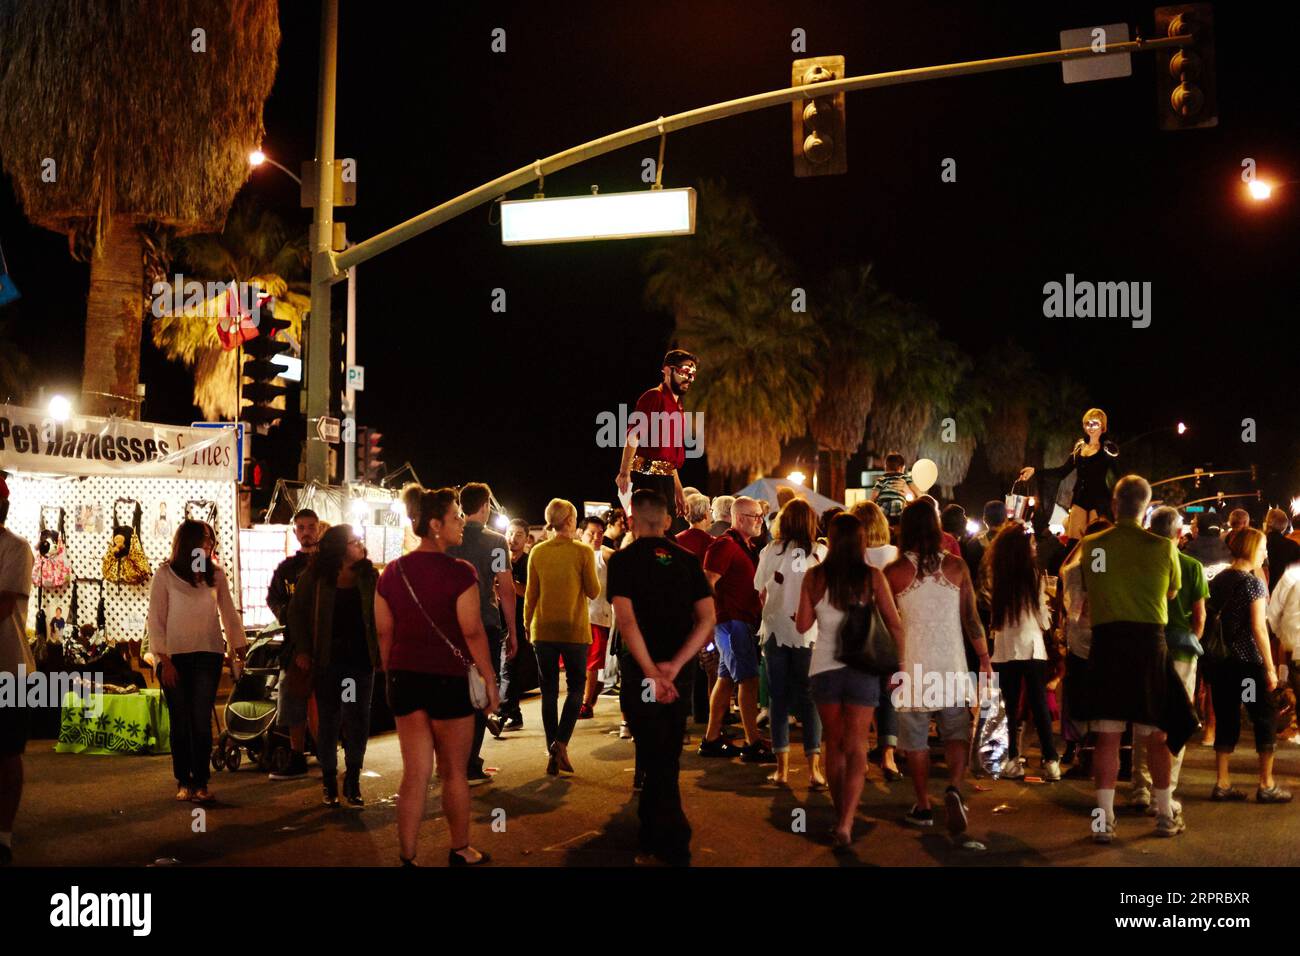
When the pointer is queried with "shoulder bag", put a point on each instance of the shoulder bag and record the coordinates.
(125, 562)
(865, 643)
(478, 693)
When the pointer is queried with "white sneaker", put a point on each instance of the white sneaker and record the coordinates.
(1013, 769)
(623, 732)
(1106, 835)
(1052, 770)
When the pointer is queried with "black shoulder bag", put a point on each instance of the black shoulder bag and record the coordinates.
(865, 643)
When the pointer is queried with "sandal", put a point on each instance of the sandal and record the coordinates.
(455, 858)
(1225, 794)
(201, 795)
(184, 795)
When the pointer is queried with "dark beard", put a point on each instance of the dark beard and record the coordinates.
(675, 389)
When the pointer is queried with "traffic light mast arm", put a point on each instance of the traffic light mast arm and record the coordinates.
(340, 262)
(1205, 474)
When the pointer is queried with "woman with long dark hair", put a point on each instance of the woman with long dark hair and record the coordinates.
(189, 604)
(429, 631)
(1020, 615)
(846, 698)
(332, 627)
(778, 579)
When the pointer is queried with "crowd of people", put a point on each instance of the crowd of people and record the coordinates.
(1122, 629)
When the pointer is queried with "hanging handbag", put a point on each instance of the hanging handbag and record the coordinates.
(1212, 639)
(51, 569)
(865, 643)
(201, 510)
(478, 692)
(125, 562)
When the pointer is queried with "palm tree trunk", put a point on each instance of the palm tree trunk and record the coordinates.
(110, 374)
(837, 461)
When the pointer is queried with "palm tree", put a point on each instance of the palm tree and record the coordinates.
(953, 434)
(255, 247)
(729, 293)
(1009, 375)
(925, 373)
(856, 319)
(113, 122)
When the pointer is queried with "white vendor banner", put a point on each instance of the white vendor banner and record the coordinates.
(32, 441)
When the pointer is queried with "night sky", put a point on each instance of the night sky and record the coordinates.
(1051, 179)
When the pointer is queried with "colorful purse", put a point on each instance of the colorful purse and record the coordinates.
(125, 562)
(51, 570)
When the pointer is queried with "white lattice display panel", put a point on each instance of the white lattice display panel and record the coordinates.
(162, 502)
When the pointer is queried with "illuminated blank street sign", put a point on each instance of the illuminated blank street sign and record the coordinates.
(650, 212)
(1103, 66)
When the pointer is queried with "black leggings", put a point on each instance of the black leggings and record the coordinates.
(1033, 674)
(1229, 690)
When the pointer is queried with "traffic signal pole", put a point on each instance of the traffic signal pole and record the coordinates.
(323, 274)
(329, 266)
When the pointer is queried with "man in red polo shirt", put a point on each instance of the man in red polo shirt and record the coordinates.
(729, 565)
(654, 450)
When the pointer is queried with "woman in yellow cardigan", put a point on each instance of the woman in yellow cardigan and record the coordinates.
(561, 580)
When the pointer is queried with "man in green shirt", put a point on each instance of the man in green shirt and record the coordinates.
(1130, 576)
(1182, 637)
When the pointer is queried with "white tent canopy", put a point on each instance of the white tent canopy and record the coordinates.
(764, 489)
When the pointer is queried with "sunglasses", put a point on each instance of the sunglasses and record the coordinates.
(685, 371)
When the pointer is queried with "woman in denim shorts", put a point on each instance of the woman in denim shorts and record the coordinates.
(845, 698)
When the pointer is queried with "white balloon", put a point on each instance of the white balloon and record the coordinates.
(924, 473)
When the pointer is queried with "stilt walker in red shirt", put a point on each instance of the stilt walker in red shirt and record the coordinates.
(654, 449)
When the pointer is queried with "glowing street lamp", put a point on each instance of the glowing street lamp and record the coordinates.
(257, 158)
(1259, 189)
(1182, 428)
(60, 408)
(796, 476)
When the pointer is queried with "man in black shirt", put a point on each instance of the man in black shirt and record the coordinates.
(293, 710)
(664, 609)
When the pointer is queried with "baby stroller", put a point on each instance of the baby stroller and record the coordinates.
(249, 713)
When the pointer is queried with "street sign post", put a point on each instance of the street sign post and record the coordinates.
(357, 378)
(327, 430)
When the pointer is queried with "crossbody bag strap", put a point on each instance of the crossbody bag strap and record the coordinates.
(436, 629)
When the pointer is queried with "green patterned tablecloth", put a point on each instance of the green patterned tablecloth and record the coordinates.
(114, 724)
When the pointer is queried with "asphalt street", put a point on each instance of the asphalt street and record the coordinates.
(119, 811)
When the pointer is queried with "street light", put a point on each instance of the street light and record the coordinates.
(60, 408)
(796, 476)
(1259, 190)
(257, 158)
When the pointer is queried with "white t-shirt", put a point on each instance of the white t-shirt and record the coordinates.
(599, 611)
(16, 561)
(1023, 641)
(781, 574)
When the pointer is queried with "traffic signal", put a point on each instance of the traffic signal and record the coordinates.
(260, 372)
(819, 145)
(370, 464)
(1185, 89)
(374, 457)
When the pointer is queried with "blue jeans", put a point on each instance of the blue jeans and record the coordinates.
(189, 706)
(351, 716)
(787, 688)
(548, 671)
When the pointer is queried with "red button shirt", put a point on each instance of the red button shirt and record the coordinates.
(660, 432)
(733, 594)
